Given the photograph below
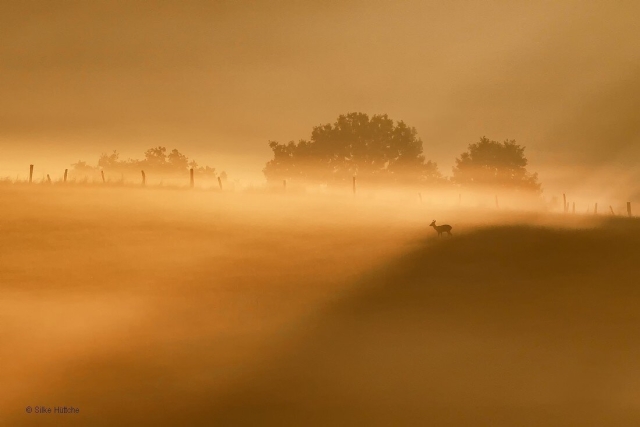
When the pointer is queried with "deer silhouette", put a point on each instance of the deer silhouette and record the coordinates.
(441, 228)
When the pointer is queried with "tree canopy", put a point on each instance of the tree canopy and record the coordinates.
(491, 163)
(356, 144)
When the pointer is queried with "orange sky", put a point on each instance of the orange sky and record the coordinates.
(218, 79)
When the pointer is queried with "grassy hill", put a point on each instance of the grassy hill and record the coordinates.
(184, 308)
(504, 326)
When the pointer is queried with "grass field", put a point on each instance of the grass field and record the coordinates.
(191, 308)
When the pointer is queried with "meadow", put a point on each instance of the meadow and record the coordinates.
(162, 307)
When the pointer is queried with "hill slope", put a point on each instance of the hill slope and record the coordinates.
(503, 326)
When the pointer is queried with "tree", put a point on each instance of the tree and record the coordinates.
(495, 164)
(206, 171)
(177, 161)
(375, 148)
(82, 167)
(109, 160)
(155, 158)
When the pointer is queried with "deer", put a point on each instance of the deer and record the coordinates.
(441, 228)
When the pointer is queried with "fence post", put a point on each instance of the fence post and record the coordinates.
(66, 173)
(565, 206)
(611, 209)
(104, 181)
(144, 179)
(574, 208)
(354, 185)
(30, 174)
(284, 184)
(48, 179)
(191, 181)
(220, 183)
(629, 209)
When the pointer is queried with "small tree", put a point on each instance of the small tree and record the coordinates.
(109, 160)
(177, 161)
(155, 158)
(82, 167)
(490, 163)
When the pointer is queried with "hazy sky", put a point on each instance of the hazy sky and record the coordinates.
(218, 79)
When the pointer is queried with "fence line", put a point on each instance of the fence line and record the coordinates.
(567, 205)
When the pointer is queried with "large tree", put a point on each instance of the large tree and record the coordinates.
(375, 148)
(490, 163)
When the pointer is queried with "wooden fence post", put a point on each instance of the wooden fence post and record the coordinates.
(220, 183)
(595, 212)
(104, 181)
(611, 209)
(144, 178)
(354, 185)
(48, 179)
(284, 184)
(565, 206)
(629, 209)
(66, 173)
(574, 208)
(191, 180)
(30, 174)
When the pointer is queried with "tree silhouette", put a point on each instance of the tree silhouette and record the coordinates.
(375, 148)
(82, 167)
(109, 160)
(177, 161)
(491, 163)
(155, 158)
(156, 161)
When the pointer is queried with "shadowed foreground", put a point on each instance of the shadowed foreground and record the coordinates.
(504, 326)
